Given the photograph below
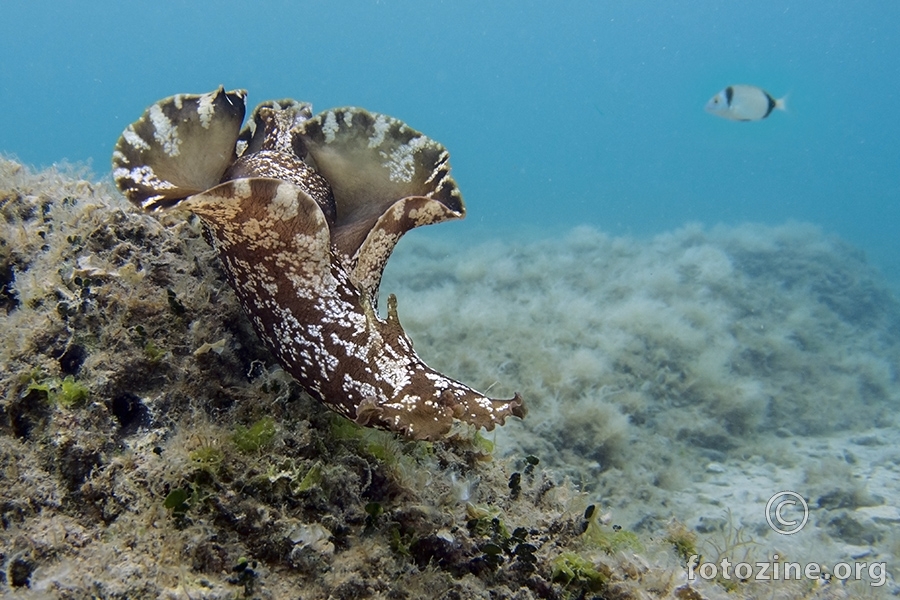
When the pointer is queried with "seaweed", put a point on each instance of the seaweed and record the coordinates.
(257, 436)
(171, 447)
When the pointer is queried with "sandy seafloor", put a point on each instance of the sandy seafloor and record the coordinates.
(675, 383)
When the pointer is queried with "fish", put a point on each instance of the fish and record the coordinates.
(744, 103)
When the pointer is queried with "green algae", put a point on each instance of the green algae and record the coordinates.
(252, 439)
(65, 392)
(145, 476)
(577, 574)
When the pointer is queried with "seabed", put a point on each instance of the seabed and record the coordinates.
(150, 447)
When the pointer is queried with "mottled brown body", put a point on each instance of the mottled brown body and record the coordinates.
(304, 212)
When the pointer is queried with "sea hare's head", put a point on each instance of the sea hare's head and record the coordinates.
(305, 212)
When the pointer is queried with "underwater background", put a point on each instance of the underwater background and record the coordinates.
(699, 313)
(555, 114)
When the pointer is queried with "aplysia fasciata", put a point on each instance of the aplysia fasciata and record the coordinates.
(304, 212)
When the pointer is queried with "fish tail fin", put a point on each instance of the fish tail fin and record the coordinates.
(781, 103)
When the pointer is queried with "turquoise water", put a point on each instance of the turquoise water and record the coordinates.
(555, 114)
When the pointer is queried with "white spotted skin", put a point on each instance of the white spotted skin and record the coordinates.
(165, 132)
(305, 260)
(347, 355)
(330, 127)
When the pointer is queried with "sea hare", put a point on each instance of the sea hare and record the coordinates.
(304, 212)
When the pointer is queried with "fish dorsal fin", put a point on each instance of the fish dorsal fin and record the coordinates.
(180, 146)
